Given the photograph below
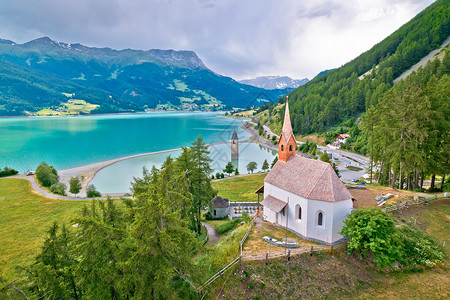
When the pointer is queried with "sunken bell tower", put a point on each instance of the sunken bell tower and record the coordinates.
(234, 146)
(286, 143)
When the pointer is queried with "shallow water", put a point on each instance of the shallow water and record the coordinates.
(117, 177)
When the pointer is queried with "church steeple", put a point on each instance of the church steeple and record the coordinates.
(286, 143)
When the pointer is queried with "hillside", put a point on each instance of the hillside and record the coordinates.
(47, 74)
(339, 95)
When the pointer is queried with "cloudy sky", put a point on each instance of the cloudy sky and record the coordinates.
(237, 38)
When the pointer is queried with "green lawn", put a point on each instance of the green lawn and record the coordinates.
(74, 107)
(240, 189)
(24, 219)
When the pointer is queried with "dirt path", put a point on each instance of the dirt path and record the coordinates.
(213, 236)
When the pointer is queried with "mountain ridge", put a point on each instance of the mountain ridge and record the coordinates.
(42, 73)
(274, 82)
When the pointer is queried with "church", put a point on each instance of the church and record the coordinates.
(304, 195)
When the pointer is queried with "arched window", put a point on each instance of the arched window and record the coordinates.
(320, 219)
(290, 147)
(282, 147)
(298, 212)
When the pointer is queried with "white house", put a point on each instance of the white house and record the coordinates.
(342, 138)
(305, 195)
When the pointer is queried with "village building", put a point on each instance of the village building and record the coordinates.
(305, 195)
(342, 138)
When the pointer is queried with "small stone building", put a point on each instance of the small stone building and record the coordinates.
(219, 207)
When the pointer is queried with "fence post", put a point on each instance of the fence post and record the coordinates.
(311, 251)
(240, 260)
(331, 250)
(267, 258)
(289, 256)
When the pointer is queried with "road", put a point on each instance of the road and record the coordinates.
(348, 159)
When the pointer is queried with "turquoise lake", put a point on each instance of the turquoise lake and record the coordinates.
(68, 142)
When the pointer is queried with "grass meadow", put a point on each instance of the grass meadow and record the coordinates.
(24, 219)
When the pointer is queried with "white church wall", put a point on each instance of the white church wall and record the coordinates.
(334, 214)
(341, 210)
(320, 232)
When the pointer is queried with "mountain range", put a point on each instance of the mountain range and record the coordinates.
(275, 82)
(46, 74)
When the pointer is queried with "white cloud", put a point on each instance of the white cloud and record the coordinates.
(238, 38)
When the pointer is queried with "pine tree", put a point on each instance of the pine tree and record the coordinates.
(229, 168)
(265, 165)
(199, 178)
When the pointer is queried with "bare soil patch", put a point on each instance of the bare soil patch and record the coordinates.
(366, 197)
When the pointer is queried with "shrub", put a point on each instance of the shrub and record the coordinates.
(92, 192)
(46, 175)
(418, 249)
(7, 172)
(208, 215)
(218, 175)
(222, 175)
(58, 188)
(230, 225)
(372, 231)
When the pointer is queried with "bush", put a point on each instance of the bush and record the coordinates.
(218, 175)
(92, 192)
(230, 225)
(46, 175)
(227, 226)
(58, 188)
(418, 249)
(208, 215)
(222, 175)
(372, 231)
(7, 172)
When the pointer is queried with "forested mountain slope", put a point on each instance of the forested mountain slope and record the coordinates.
(44, 73)
(339, 95)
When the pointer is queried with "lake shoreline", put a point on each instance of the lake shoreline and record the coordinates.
(88, 172)
(113, 114)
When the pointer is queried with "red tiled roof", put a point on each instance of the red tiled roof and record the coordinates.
(274, 204)
(308, 178)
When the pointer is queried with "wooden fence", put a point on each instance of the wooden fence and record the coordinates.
(407, 203)
(248, 231)
(288, 253)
